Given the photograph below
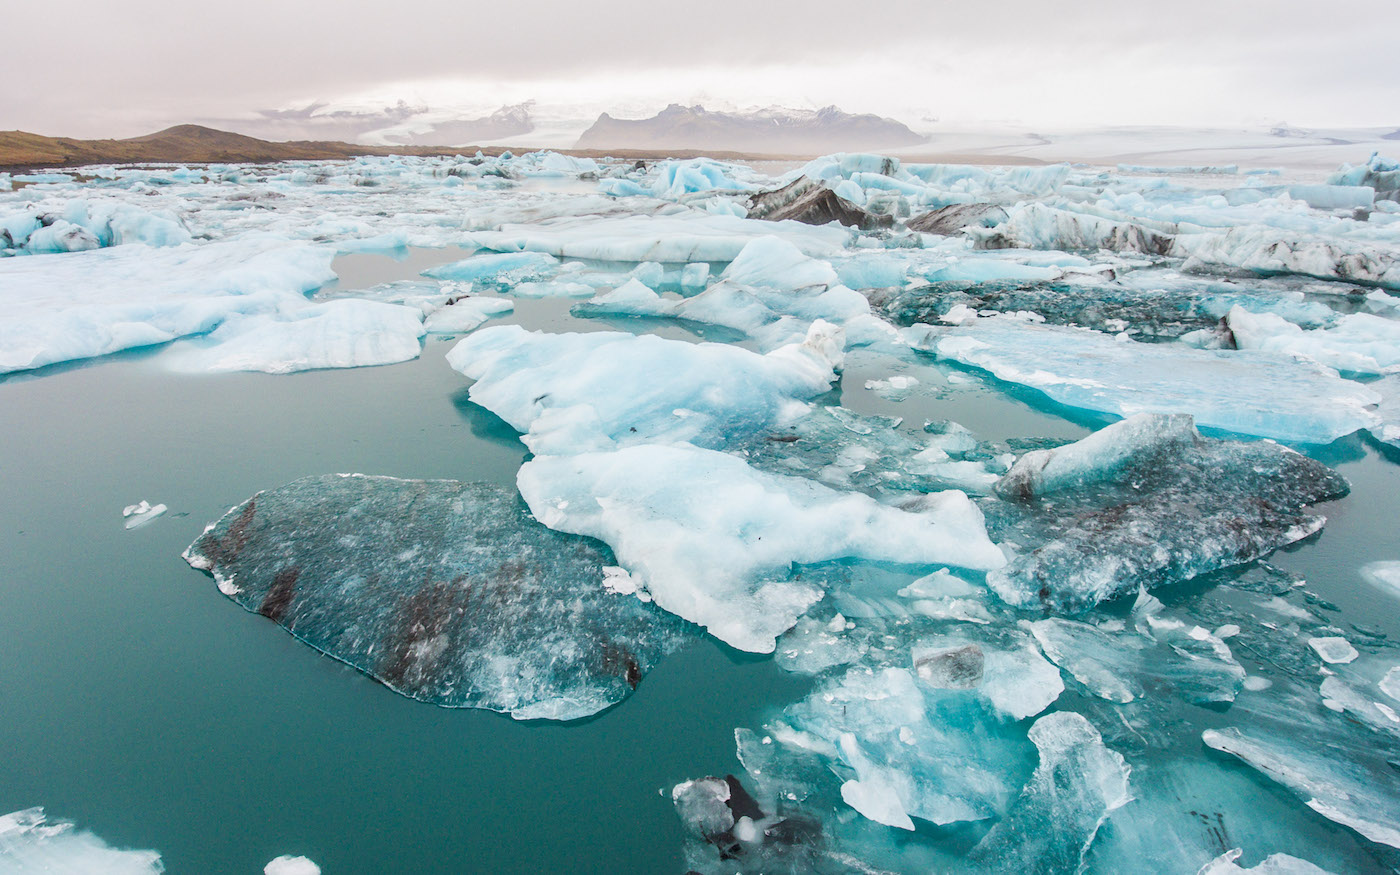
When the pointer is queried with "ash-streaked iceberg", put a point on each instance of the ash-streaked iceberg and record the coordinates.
(444, 591)
(1144, 502)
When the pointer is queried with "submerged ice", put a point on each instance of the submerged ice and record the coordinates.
(444, 591)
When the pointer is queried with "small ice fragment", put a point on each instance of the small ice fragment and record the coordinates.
(950, 668)
(289, 865)
(1256, 683)
(141, 513)
(1274, 864)
(1333, 650)
(1390, 684)
(1384, 574)
(877, 801)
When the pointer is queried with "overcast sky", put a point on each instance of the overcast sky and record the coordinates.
(121, 69)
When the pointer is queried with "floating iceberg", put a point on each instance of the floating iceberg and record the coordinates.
(64, 307)
(1336, 782)
(1244, 392)
(337, 334)
(572, 392)
(444, 591)
(289, 865)
(714, 540)
(29, 843)
(464, 314)
(141, 513)
(1359, 343)
(1078, 783)
(1144, 502)
(673, 239)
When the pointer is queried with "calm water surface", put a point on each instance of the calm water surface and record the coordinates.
(142, 704)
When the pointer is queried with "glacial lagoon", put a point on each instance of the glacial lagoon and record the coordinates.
(146, 707)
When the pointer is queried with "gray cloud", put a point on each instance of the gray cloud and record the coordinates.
(122, 69)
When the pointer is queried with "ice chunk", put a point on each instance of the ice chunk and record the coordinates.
(1274, 864)
(1101, 456)
(1245, 392)
(1037, 226)
(713, 539)
(1078, 783)
(289, 865)
(1336, 783)
(141, 513)
(774, 263)
(1358, 343)
(1095, 658)
(904, 753)
(1333, 650)
(1147, 501)
(812, 202)
(1018, 682)
(1384, 574)
(444, 591)
(500, 269)
(29, 843)
(1267, 251)
(957, 667)
(677, 178)
(344, 333)
(465, 314)
(572, 392)
(96, 303)
(667, 239)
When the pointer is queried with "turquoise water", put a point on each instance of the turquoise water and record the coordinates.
(142, 704)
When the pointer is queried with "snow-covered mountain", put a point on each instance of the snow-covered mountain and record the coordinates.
(771, 130)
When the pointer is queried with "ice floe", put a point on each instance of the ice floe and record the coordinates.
(444, 591)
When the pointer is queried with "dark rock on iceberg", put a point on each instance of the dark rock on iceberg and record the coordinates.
(1144, 502)
(810, 202)
(950, 220)
(447, 592)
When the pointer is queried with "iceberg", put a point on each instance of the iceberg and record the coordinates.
(344, 333)
(29, 842)
(1252, 393)
(1274, 864)
(1358, 343)
(65, 307)
(141, 513)
(289, 865)
(444, 591)
(498, 269)
(1147, 501)
(669, 239)
(463, 314)
(572, 392)
(1339, 782)
(714, 540)
(1054, 821)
